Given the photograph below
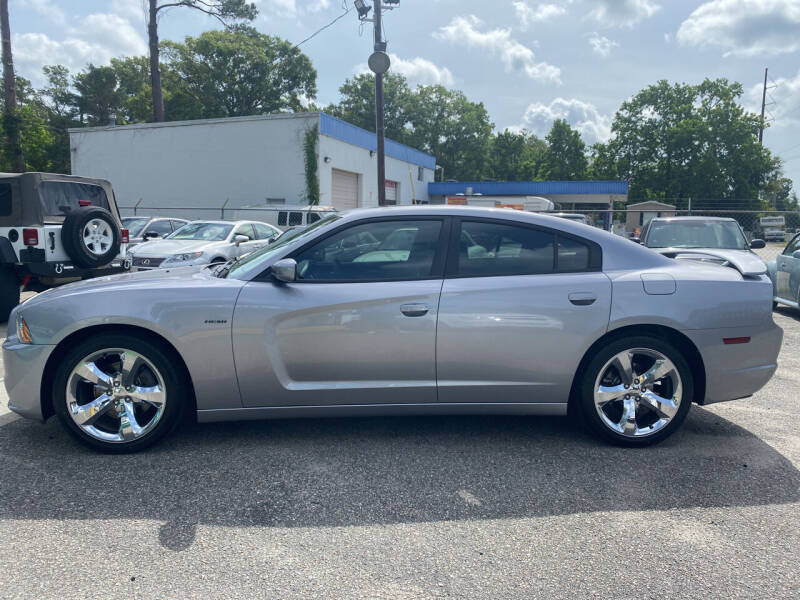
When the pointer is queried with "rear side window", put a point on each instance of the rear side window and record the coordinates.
(492, 249)
(6, 206)
(59, 198)
(573, 255)
(282, 218)
(295, 218)
(312, 217)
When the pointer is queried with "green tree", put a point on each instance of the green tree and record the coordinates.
(517, 156)
(357, 104)
(455, 130)
(240, 72)
(565, 158)
(676, 141)
(98, 95)
(224, 11)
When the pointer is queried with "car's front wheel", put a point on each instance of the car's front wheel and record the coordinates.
(636, 391)
(119, 393)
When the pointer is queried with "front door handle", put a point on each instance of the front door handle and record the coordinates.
(414, 309)
(582, 298)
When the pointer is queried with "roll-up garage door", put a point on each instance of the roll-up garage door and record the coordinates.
(345, 190)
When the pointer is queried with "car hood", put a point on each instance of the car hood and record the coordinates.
(159, 248)
(744, 261)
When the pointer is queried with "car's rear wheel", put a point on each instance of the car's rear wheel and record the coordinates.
(9, 292)
(636, 391)
(119, 393)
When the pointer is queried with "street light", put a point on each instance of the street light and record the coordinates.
(362, 8)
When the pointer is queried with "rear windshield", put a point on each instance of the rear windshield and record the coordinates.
(696, 234)
(61, 197)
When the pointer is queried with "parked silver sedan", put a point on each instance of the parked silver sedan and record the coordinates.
(471, 311)
(203, 242)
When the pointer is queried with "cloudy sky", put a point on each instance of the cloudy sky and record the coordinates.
(529, 61)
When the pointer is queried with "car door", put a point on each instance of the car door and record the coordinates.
(788, 272)
(248, 246)
(519, 307)
(353, 331)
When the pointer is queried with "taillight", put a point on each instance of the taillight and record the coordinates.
(30, 237)
(84, 202)
(125, 236)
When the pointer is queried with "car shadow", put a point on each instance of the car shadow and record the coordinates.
(788, 311)
(345, 472)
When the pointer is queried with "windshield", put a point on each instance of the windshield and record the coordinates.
(253, 261)
(209, 232)
(696, 234)
(134, 225)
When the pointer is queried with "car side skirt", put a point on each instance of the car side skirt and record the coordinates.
(379, 410)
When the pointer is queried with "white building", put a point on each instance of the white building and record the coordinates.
(193, 168)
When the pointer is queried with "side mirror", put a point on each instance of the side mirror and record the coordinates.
(151, 234)
(285, 270)
(758, 244)
(796, 254)
(636, 240)
(240, 239)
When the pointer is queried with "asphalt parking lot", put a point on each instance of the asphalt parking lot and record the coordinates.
(465, 507)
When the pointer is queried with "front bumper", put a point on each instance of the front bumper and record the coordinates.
(737, 370)
(149, 264)
(24, 365)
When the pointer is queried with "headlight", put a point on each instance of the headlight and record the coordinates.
(187, 256)
(23, 333)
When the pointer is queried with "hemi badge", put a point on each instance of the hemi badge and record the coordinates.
(739, 340)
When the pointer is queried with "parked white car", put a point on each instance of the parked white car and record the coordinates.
(203, 242)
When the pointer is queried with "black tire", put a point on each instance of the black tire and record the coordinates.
(72, 237)
(176, 385)
(590, 374)
(9, 291)
(218, 259)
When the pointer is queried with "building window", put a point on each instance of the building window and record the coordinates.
(420, 174)
(276, 201)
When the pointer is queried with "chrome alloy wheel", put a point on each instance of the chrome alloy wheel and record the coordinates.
(638, 392)
(115, 395)
(97, 236)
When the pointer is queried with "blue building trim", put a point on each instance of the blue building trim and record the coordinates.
(351, 134)
(528, 188)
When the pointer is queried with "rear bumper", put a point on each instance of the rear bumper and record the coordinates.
(68, 270)
(737, 370)
(24, 365)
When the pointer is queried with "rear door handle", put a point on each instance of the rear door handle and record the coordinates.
(414, 309)
(582, 298)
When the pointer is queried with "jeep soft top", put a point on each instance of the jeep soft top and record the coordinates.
(53, 229)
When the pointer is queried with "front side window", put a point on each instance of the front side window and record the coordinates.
(263, 232)
(162, 228)
(793, 246)
(374, 251)
(210, 232)
(491, 249)
(60, 197)
(245, 229)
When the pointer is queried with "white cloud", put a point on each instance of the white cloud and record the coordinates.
(135, 10)
(527, 14)
(291, 8)
(744, 27)
(516, 57)
(601, 44)
(416, 70)
(622, 13)
(786, 97)
(47, 9)
(96, 39)
(593, 126)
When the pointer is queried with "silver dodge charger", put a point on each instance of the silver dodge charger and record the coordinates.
(413, 310)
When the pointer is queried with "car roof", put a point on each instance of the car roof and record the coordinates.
(687, 218)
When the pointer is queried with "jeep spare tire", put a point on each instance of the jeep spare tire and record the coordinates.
(90, 236)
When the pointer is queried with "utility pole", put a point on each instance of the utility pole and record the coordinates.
(379, 126)
(763, 108)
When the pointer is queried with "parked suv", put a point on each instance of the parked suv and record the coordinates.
(55, 229)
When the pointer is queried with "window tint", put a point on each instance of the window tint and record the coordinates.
(282, 218)
(178, 224)
(263, 232)
(162, 228)
(295, 218)
(793, 246)
(61, 197)
(572, 255)
(6, 207)
(245, 229)
(487, 249)
(375, 251)
(312, 217)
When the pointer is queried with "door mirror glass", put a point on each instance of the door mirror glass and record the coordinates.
(636, 240)
(758, 244)
(240, 239)
(284, 270)
(796, 254)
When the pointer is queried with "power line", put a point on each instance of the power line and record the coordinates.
(321, 29)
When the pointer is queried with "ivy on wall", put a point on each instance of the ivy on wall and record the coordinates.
(311, 160)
